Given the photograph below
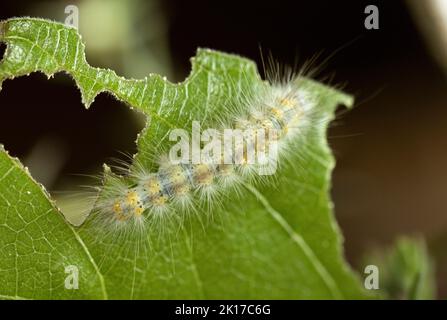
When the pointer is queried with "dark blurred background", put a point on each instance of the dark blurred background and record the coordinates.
(391, 150)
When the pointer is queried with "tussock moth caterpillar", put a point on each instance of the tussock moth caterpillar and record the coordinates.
(244, 147)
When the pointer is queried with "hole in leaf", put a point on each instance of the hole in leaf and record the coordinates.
(2, 50)
(45, 124)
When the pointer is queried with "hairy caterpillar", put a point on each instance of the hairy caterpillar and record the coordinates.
(271, 117)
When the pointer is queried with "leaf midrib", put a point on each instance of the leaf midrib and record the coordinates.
(299, 240)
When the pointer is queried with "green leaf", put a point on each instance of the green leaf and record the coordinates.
(406, 270)
(279, 240)
(36, 243)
